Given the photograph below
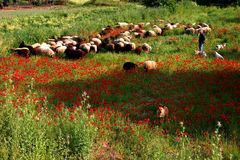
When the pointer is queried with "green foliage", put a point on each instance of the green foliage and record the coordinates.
(44, 136)
(30, 132)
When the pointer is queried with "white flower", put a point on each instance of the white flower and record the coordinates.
(219, 124)
(181, 123)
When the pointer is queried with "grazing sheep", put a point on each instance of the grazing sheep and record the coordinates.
(205, 25)
(130, 46)
(119, 46)
(85, 47)
(157, 30)
(66, 37)
(217, 55)
(190, 30)
(24, 52)
(31, 49)
(59, 43)
(198, 26)
(61, 49)
(168, 26)
(125, 34)
(129, 66)
(146, 47)
(97, 41)
(175, 25)
(141, 25)
(147, 24)
(150, 33)
(221, 46)
(98, 36)
(123, 24)
(52, 43)
(138, 35)
(150, 65)
(44, 49)
(162, 111)
(93, 48)
(138, 50)
(127, 38)
(73, 53)
(110, 47)
(68, 42)
(206, 29)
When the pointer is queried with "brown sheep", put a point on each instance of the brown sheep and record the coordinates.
(162, 111)
(150, 65)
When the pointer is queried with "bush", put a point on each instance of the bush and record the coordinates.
(29, 130)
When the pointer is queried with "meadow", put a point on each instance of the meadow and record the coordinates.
(90, 109)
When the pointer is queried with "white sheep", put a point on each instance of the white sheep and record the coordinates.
(93, 48)
(151, 33)
(85, 47)
(169, 26)
(150, 65)
(61, 49)
(44, 49)
(221, 46)
(123, 24)
(126, 33)
(98, 36)
(36, 45)
(190, 30)
(146, 47)
(157, 30)
(97, 41)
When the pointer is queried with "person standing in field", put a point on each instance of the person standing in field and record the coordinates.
(201, 41)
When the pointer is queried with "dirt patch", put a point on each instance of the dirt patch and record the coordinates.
(12, 8)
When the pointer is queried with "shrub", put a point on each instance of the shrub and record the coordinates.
(29, 130)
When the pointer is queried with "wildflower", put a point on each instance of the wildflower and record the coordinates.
(181, 123)
(219, 124)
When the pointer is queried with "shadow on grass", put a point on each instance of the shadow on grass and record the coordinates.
(200, 99)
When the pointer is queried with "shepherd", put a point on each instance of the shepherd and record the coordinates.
(201, 41)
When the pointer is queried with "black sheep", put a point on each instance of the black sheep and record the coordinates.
(73, 53)
(23, 52)
(129, 66)
(31, 49)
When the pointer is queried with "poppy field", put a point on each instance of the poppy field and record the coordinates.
(56, 108)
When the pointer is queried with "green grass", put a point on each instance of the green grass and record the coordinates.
(197, 91)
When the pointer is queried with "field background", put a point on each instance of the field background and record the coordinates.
(41, 117)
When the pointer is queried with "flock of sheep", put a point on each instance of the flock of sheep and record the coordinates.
(114, 39)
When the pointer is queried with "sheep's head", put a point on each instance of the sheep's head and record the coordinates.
(162, 111)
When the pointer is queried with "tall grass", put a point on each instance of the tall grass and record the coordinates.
(33, 127)
(29, 130)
